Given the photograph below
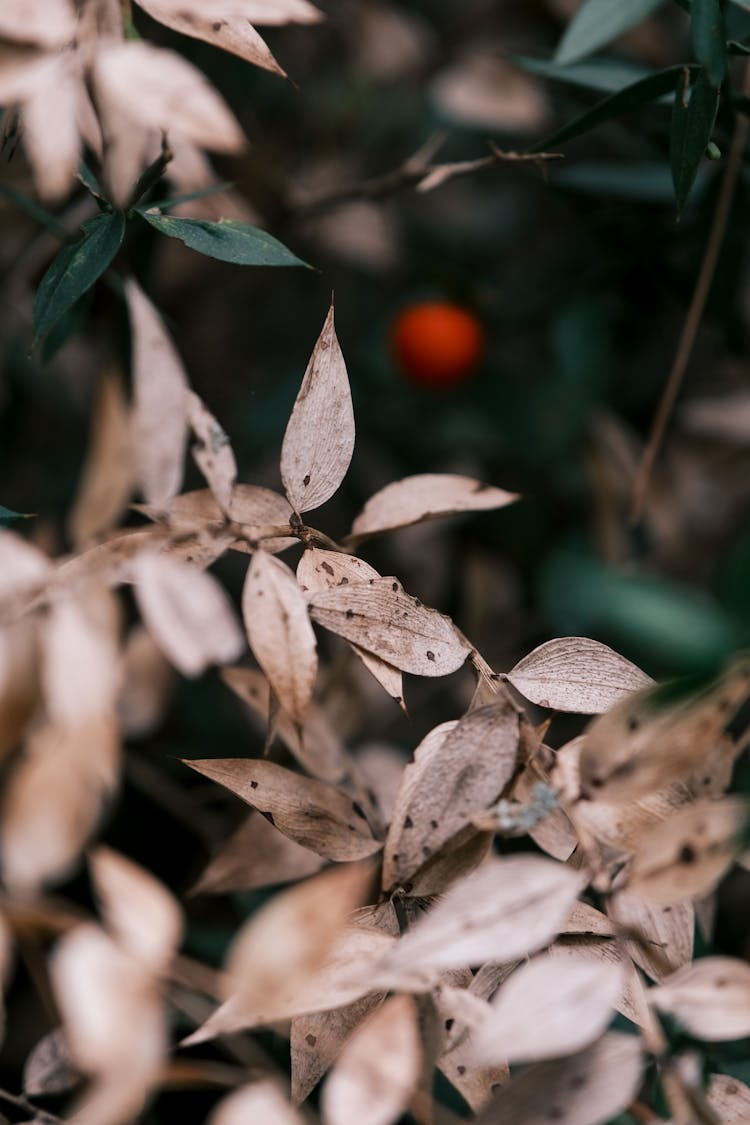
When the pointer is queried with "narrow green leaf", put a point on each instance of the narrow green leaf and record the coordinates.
(604, 74)
(176, 200)
(624, 101)
(598, 22)
(709, 39)
(693, 116)
(8, 518)
(229, 240)
(76, 268)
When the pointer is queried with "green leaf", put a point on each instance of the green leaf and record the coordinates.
(34, 210)
(708, 38)
(229, 240)
(8, 518)
(76, 268)
(624, 101)
(693, 116)
(598, 22)
(605, 74)
(176, 200)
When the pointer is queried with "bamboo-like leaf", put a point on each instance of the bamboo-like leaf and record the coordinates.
(693, 116)
(229, 240)
(576, 674)
(709, 38)
(598, 22)
(663, 934)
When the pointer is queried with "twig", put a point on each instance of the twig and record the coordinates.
(695, 311)
(40, 1115)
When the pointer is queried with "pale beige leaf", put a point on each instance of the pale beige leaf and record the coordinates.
(451, 778)
(147, 684)
(49, 1068)
(664, 934)
(576, 674)
(280, 633)
(484, 91)
(312, 813)
(589, 1088)
(160, 409)
(23, 567)
(139, 911)
(685, 856)
(256, 855)
(377, 1070)
(317, 1038)
(426, 497)
(270, 13)
(319, 438)
(461, 1011)
(19, 680)
(383, 619)
(23, 70)
(50, 129)
(631, 1001)
(710, 998)
(554, 832)
(81, 671)
(729, 1098)
(187, 613)
(45, 23)
(549, 1008)
(213, 453)
(252, 506)
(108, 474)
(585, 919)
(506, 909)
(458, 857)
(262, 1102)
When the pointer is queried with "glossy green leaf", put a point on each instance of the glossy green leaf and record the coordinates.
(709, 39)
(598, 22)
(693, 117)
(229, 240)
(634, 96)
(8, 518)
(76, 268)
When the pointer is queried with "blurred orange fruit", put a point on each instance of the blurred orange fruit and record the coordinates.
(437, 344)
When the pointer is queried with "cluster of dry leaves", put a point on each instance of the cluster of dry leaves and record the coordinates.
(407, 941)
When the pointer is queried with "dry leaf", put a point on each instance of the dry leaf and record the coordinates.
(19, 680)
(252, 506)
(280, 633)
(381, 618)
(461, 1011)
(377, 1070)
(586, 1089)
(454, 773)
(213, 453)
(319, 438)
(485, 91)
(425, 497)
(631, 1000)
(45, 23)
(729, 1098)
(313, 814)
(576, 674)
(187, 613)
(262, 1102)
(256, 855)
(80, 659)
(549, 1008)
(317, 1038)
(49, 1068)
(664, 934)
(710, 998)
(160, 408)
(147, 684)
(23, 567)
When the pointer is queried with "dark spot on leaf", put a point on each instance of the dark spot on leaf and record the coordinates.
(667, 909)
(358, 810)
(311, 1039)
(596, 782)
(396, 857)
(430, 656)
(186, 17)
(494, 675)
(344, 581)
(306, 479)
(687, 854)
(253, 784)
(721, 982)
(395, 587)
(461, 1069)
(417, 603)
(632, 723)
(495, 1087)
(217, 25)
(426, 850)
(349, 614)
(555, 1113)
(372, 580)
(373, 797)
(433, 824)
(326, 566)
(577, 1081)
(408, 823)
(449, 1024)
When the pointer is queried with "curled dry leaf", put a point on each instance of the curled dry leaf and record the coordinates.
(589, 1088)
(160, 408)
(319, 438)
(280, 633)
(80, 659)
(315, 815)
(187, 613)
(663, 935)
(378, 1068)
(147, 684)
(317, 1038)
(710, 998)
(256, 855)
(425, 497)
(686, 855)
(381, 618)
(729, 1098)
(262, 1102)
(506, 909)
(549, 1008)
(213, 453)
(455, 773)
(576, 674)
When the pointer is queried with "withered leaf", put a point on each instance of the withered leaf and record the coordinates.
(108, 474)
(452, 776)
(461, 1011)
(280, 633)
(316, 815)
(378, 1068)
(252, 506)
(381, 618)
(317, 1038)
(187, 613)
(256, 855)
(456, 858)
(19, 680)
(729, 1098)
(425, 497)
(663, 934)
(319, 438)
(49, 1068)
(549, 1008)
(506, 909)
(80, 659)
(160, 408)
(45, 23)
(147, 684)
(631, 1000)
(576, 674)
(710, 998)
(262, 1102)
(213, 452)
(589, 1088)
(22, 566)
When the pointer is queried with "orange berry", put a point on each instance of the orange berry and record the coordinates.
(437, 344)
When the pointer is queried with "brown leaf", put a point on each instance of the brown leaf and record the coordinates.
(147, 684)
(19, 680)
(319, 438)
(458, 857)
(729, 1098)
(256, 855)
(261, 1102)
(160, 409)
(213, 453)
(252, 506)
(664, 934)
(80, 660)
(506, 909)
(381, 618)
(280, 633)
(461, 1011)
(45, 23)
(710, 998)
(425, 497)
(315, 815)
(377, 1070)
(586, 1089)
(108, 473)
(49, 1068)
(454, 774)
(187, 613)
(317, 1039)
(576, 674)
